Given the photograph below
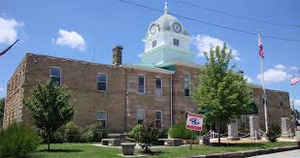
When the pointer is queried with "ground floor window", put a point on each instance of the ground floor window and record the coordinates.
(140, 116)
(102, 119)
(158, 119)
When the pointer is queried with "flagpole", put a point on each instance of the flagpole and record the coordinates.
(263, 87)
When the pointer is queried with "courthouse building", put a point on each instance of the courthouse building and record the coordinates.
(157, 90)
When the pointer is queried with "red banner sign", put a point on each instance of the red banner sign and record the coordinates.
(194, 122)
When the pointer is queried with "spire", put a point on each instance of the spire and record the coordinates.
(166, 7)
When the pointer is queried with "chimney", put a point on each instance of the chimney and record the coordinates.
(117, 55)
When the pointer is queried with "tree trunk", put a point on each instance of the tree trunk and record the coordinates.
(48, 141)
(219, 132)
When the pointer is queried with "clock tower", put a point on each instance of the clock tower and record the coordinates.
(166, 41)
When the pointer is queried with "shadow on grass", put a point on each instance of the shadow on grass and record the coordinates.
(246, 145)
(61, 150)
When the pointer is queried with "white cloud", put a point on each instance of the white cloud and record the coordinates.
(204, 43)
(294, 68)
(297, 103)
(249, 79)
(280, 67)
(275, 75)
(8, 30)
(71, 39)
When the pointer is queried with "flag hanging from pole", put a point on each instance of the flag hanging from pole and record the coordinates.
(295, 80)
(260, 48)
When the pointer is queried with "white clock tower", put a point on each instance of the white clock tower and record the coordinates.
(166, 42)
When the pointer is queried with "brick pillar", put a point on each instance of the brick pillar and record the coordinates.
(117, 55)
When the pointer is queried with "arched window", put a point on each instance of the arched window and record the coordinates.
(55, 75)
(187, 85)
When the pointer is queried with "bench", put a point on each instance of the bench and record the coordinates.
(172, 141)
(111, 142)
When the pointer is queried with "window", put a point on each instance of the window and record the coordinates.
(102, 118)
(281, 102)
(187, 82)
(55, 75)
(141, 84)
(101, 82)
(158, 119)
(154, 43)
(158, 87)
(140, 116)
(176, 42)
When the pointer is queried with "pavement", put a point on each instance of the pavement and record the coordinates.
(285, 154)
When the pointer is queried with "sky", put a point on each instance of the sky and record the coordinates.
(88, 30)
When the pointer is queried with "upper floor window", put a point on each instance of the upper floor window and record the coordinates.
(158, 119)
(55, 75)
(141, 84)
(176, 42)
(101, 82)
(102, 118)
(187, 85)
(158, 86)
(154, 43)
(140, 116)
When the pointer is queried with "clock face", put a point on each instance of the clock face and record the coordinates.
(177, 27)
(154, 28)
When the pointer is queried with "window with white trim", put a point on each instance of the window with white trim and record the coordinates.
(101, 82)
(55, 75)
(176, 42)
(141, 84)
(158, 119)
(187, 85)
(102, 119)
(140, 116)
(154, 43)
(158, 86)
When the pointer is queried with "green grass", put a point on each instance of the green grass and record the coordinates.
(90, 151)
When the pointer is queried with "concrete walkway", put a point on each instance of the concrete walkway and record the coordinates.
(285, 154)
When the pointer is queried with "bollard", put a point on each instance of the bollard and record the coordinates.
(298, 136)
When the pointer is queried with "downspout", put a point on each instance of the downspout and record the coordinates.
(126, 102)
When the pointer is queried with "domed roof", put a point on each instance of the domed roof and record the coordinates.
(167, 22)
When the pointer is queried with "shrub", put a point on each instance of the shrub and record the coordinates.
(72, 132)
(94, 133)
(179, 131)
(18, 141)
(59, 136)
(145, 135)
(163, 133)
(273, 133)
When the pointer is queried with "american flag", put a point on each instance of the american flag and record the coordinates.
(295, 80)
(260, 48)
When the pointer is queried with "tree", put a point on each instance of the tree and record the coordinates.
(50, 107)
(2, 105)
(222, 94)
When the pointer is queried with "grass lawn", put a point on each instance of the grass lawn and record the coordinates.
(90, 151)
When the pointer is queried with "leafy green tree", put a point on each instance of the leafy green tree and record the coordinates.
(2, 105)
(222, 94)
(51, 108)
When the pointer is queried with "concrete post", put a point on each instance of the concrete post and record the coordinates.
(285, 127)
(254, 127)
(233, 133)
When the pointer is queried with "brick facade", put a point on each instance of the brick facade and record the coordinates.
(121, 99)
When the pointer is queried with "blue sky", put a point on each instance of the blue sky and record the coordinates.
(88, 30)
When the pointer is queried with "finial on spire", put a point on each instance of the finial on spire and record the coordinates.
(166, 7)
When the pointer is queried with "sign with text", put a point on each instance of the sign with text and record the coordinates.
(194, 122)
